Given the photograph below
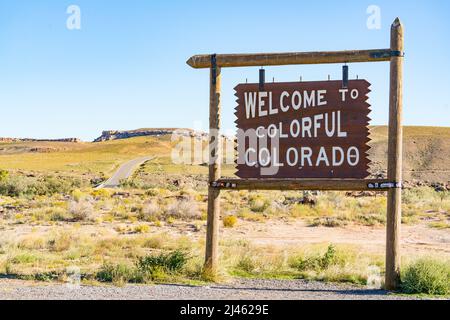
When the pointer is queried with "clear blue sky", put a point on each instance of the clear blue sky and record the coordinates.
(126, 69)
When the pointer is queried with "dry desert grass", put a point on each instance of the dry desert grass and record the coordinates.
(52, 219)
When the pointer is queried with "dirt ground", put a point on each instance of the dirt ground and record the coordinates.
(417, 239)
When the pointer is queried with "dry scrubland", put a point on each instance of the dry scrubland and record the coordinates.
(53, 221)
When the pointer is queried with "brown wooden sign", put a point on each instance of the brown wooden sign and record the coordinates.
(303, 130)
(313, 128)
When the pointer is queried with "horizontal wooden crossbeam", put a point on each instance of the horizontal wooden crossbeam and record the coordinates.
(291, 58)
(306, 184)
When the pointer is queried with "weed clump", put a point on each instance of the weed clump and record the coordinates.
(81, 210)
(330, 222)
(258, 204)
(229, 221)
(317, 263)
(118, 274)
(3, 175)
(183, 209)
(142, 228)
(426, 276)
(172, 262)
(19, 186)
(150, 211)
(148, 268)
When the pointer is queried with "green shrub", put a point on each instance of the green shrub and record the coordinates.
(259, 204)
(119, 273)
(414, 195)
(155, 266)
(427, 276)
(57, 214)
(152, 192)
(246, 264)
(329, 258)
(24, 258)
(330, 222)
(317, 263)
(371, 219)
(3, 175)
(45, 276)
(101, 194)
(142, 228)
(229, 221)
(130, 184)
(16, 186)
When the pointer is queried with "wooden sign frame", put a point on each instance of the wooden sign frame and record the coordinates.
(393, 182)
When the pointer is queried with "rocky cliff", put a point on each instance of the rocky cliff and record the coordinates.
(115, 134)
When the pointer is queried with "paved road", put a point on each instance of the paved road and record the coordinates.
(239, 289)
(124, 172)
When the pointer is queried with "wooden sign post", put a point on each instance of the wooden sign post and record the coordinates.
(320, 177)
(394, 198)
(212, 233)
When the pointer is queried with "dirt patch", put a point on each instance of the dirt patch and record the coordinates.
(416, 239)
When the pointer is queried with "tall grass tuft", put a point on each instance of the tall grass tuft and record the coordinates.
(157, 267)
(427, 276)
(183, 209)
(118, 274)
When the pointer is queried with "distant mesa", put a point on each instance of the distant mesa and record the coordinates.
(108, 135)
(74, 140)
(115, 134)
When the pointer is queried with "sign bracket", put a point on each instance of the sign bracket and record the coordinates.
(262, 78)
(385, 185)
(387, 54)
(214, 68)
(318, 184)
(345, 76)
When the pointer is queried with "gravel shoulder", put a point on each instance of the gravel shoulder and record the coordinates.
(238, 289)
